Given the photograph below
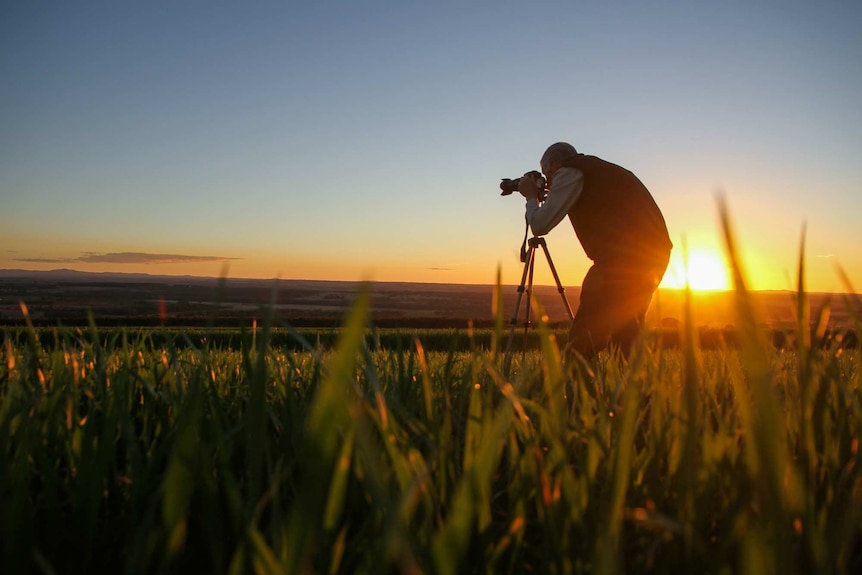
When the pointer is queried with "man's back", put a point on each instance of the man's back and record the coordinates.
(615, 218)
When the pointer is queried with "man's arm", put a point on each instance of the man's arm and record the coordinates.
(565, 190)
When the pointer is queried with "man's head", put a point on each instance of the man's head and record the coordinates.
(555, 157)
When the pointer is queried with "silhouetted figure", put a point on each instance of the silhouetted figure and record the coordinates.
(621, 230)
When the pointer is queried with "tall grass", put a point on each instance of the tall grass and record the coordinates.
(139, 457)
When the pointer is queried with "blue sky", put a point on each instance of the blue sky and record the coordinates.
(366, 140)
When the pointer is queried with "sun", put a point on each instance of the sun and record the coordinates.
(705, 270)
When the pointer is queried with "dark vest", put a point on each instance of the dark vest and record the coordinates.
(616, 219)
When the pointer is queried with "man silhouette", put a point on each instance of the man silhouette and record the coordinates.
(621, 230)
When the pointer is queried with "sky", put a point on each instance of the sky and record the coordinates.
(366, 140)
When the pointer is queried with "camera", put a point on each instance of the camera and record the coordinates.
(509, 185)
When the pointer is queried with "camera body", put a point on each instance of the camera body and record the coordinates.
(509, 185)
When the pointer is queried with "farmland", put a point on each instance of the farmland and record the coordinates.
(128, 454)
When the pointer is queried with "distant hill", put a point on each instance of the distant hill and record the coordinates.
(66, 275)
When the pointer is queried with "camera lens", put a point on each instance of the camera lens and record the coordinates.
(509, 186)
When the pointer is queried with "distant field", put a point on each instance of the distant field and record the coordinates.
(433, 339)
(119, 299)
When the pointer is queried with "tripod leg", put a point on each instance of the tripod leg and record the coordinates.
(528, 270)
(529, 297)
(527, 285)
(560, 287)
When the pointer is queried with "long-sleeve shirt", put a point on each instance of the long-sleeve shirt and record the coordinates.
(566, 187)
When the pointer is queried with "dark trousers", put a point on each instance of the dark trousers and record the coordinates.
(614, 301)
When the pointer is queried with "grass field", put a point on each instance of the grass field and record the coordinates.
(134, 455)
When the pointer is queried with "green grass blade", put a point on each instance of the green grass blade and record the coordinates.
(774, 475)
(329, 418)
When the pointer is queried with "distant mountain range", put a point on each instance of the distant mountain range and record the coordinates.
(69, 275)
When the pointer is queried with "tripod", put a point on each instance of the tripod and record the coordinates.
(529, 259)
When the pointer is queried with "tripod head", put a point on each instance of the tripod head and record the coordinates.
(536, 241)
(530, 243)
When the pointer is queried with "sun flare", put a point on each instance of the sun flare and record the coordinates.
(705, 270)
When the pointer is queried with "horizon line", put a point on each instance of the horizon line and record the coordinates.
(8, 271)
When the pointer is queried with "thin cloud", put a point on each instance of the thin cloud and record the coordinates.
(441, 269)
(128, 258)
(145, 258)
(825, 256)
(46, 260)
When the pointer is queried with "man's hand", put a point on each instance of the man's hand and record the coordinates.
(529, 185)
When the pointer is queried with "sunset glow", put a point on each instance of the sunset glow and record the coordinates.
(705, 270)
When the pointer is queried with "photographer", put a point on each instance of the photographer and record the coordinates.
(621, 230)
